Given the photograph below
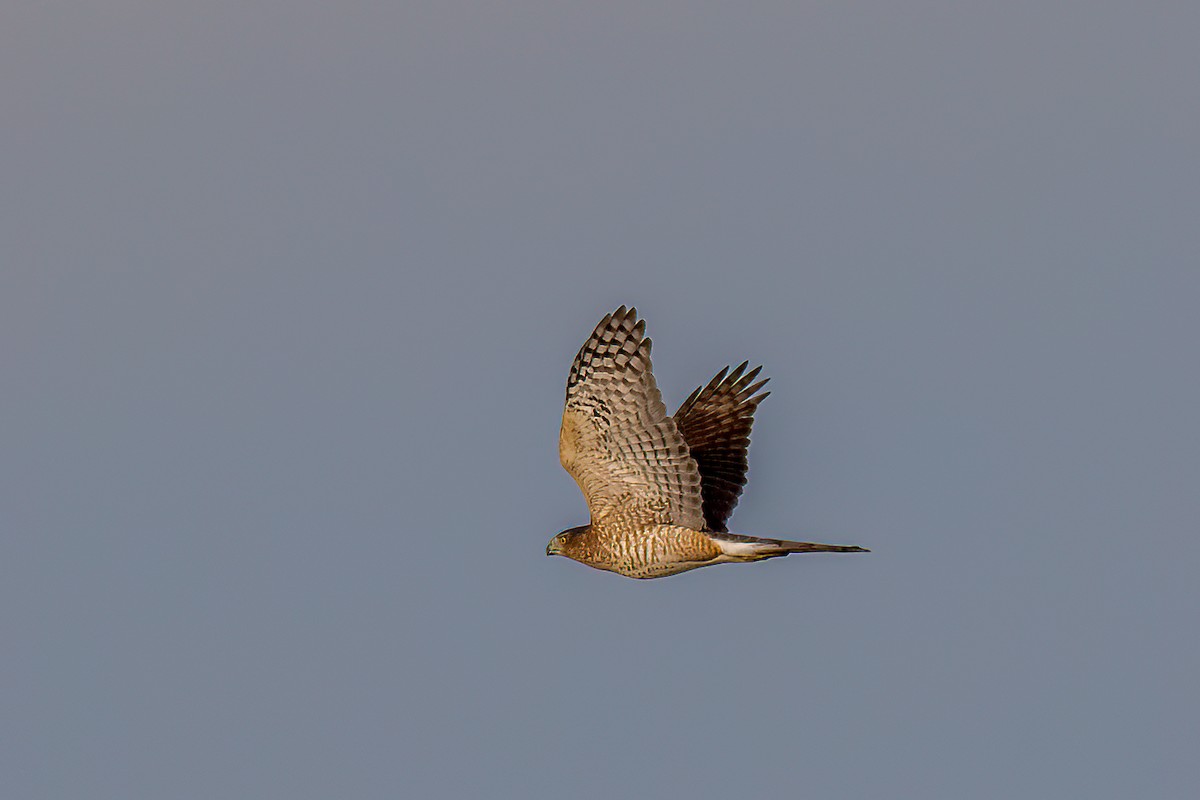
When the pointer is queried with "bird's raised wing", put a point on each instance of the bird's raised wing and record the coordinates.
(617, 441)
(715, 422)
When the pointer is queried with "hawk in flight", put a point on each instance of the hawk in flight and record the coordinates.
(660, 489)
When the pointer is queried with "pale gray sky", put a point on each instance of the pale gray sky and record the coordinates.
(289, 295)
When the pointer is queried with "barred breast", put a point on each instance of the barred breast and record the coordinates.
(648, 551)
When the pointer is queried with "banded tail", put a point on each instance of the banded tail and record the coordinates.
(751, 548)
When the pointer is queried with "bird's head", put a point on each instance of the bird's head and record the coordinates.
(560, 545)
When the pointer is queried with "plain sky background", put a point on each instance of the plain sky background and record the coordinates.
(288, 296)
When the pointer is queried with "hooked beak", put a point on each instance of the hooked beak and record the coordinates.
(552, 548)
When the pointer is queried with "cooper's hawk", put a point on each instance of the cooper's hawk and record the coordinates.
(660, 489)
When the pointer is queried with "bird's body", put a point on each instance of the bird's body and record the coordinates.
(624, 544)
(660, 489)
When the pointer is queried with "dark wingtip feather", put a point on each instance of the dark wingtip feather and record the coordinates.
(749, 392)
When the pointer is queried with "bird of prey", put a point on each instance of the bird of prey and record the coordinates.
(660, 489)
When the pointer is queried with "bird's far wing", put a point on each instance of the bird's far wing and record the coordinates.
(715, 422)
(617, 441)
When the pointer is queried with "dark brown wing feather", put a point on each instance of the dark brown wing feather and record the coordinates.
(715, 421)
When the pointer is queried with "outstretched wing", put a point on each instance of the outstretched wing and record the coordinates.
(616, 440)
(715, 422)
